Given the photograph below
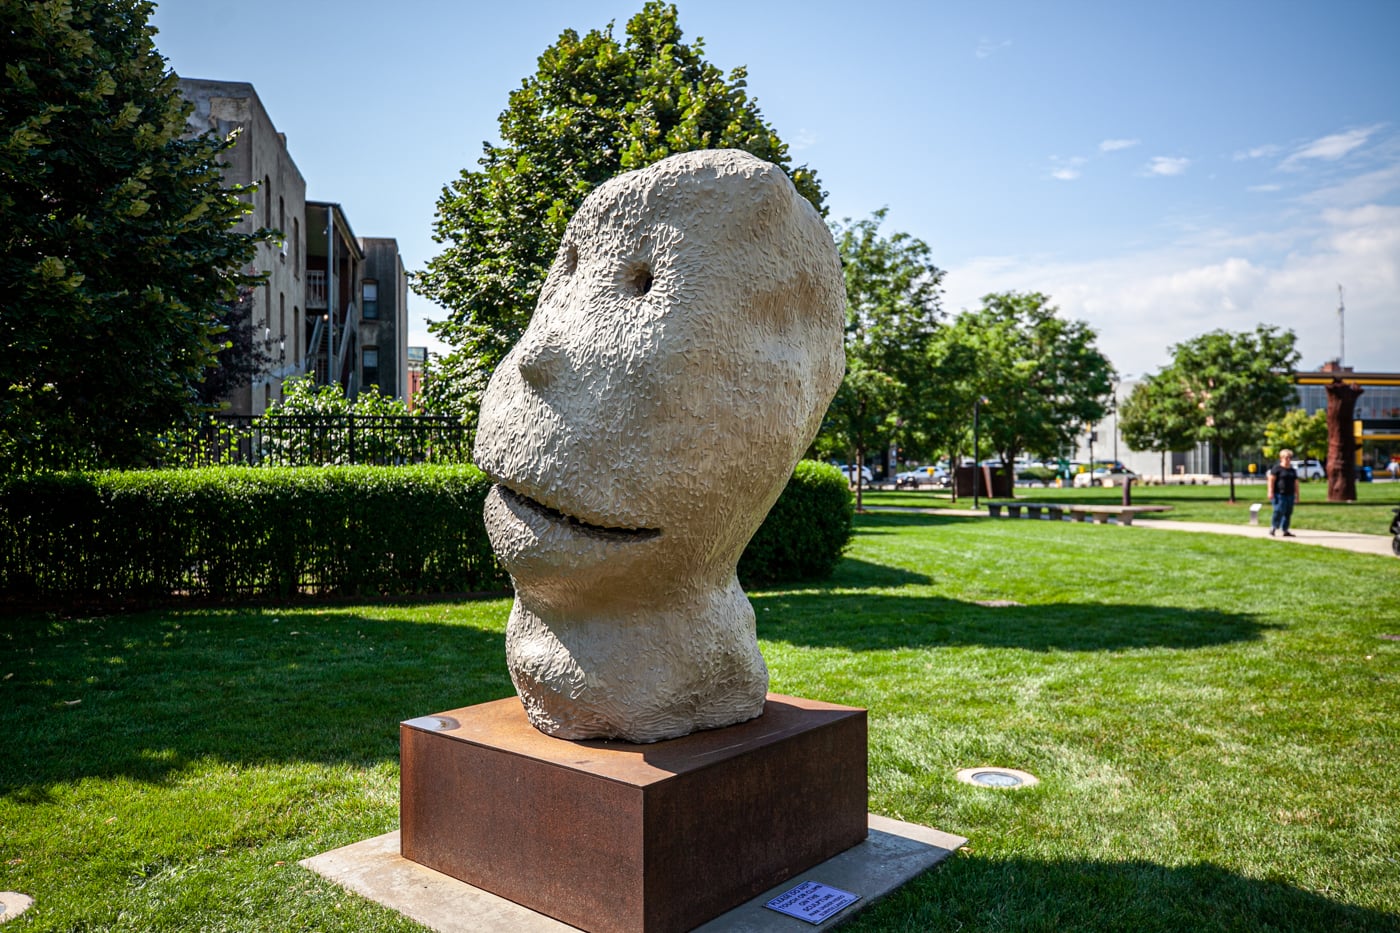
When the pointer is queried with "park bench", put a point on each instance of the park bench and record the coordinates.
(1102, 513)
(1099, 514)
(1033, 509)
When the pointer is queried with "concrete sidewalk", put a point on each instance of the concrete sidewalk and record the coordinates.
(1342, 540)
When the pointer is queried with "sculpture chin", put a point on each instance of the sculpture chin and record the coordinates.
(610, 638)
(625, 675)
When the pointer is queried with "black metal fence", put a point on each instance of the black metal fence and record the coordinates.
(321, 440)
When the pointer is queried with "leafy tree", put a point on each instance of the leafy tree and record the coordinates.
(595, 107)
(1236, 383)
(862, 412)
(1300, 432)
(1043, 376)
(945, 420)
(1153, 418)
(118, 247)
(241, 356)
(892, 316)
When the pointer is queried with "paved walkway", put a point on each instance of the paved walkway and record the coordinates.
(1343, 540)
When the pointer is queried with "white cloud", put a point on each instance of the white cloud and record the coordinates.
(987, 47)
(805, 139)
(1266, 187)
(1113, 145)
(1359, 189)
(1142, 303)
(1330, 148)
(1258, 152)
(1167, 165)
(1066, 169)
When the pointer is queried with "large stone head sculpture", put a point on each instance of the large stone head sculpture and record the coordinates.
(685, 347)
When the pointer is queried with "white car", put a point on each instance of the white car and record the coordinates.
(1310, 469)
(922, 476)
(850, 472)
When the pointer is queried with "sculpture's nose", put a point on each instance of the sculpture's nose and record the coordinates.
(540, 355)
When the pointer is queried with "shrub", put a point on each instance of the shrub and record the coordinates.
(239, 532)
(806, 532)
(1043, 475)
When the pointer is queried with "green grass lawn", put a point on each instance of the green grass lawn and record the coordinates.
(1369, 514)
(1214, 722)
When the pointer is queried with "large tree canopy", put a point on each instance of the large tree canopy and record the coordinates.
(1155, 418)
(1043, 376)
(892, 316)
(862, 414)
(1233, 384)
(1300, 432)
(241, 358)
(118, 247)
(595, 107)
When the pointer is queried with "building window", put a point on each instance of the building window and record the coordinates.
(370, 367)
(296, 247)
(282, 224)
(267, 201)
(369, 299)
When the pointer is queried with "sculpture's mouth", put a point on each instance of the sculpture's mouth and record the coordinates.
(573, 523)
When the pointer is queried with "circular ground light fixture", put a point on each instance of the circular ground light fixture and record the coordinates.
(1000, 778)
(12, 904)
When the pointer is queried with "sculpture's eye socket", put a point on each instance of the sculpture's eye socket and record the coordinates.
(637, 279)
(568, 259)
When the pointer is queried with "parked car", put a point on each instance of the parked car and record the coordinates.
(922, 476)
(1310, 469)
(850, 471)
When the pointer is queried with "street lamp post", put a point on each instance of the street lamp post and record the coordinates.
(1117, 384)
(1092, 435)
(976, 450)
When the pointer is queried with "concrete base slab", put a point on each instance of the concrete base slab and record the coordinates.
(893, 853)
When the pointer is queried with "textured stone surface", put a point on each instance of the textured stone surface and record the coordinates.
(685, 347)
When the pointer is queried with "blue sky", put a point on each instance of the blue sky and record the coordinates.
(1160, 170)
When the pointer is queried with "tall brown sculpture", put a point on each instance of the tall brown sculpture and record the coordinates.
(1341, 442)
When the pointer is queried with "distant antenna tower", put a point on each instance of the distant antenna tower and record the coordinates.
(1342, 325)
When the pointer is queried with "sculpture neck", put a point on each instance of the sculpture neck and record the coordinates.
(640, 673)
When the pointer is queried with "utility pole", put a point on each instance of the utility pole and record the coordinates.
(1342, 325)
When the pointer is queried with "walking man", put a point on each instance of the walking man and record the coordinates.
(1283, 493)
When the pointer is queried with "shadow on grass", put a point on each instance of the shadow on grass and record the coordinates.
(853, 574)
(974, 892)
(143, 696)
(879, 622)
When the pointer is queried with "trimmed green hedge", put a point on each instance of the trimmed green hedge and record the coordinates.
(238, 532)
(229, 533)
(806, 532)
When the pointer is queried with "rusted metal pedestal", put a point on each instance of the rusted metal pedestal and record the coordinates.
(613, 837)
